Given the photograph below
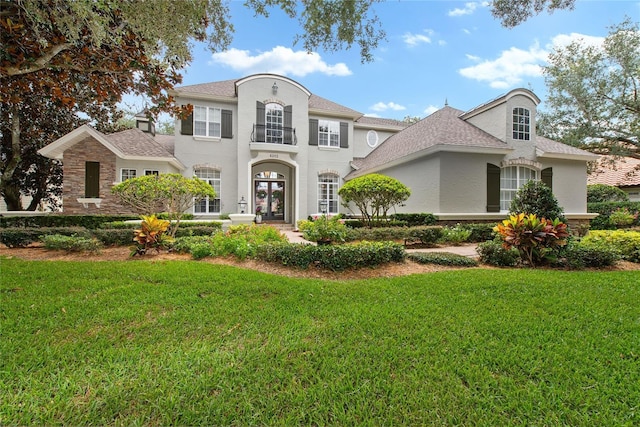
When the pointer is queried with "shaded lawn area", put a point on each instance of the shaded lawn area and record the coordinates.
(188, 343)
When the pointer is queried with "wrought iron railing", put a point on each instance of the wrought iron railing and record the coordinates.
(284, 135)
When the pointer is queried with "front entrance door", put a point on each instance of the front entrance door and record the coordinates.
(269, 200)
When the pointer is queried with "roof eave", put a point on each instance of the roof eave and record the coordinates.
(334, 113)
(56, 149)
(171, 160)
(427, 152)
(587, 157)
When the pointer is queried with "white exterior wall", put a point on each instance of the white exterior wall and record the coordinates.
(522, 148)
(360, 146)
(569, 184)
(492, 121)
(141, 165)
(423, 179)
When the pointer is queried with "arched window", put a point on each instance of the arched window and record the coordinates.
(274, 114)
(521, 123)
(209, 205)
(511, 179)
(328, 191)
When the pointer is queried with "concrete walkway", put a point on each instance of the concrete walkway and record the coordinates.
(468, 249)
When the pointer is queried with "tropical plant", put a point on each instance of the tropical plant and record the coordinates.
(150, 235)
(374, 195)
(535, 238)
(623, 218)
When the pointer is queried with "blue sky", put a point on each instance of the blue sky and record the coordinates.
(434, 51)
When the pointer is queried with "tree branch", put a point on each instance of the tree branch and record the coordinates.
(39, 63)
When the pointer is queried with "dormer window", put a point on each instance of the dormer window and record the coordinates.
(521, 124)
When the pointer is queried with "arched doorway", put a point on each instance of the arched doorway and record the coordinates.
(273, 191)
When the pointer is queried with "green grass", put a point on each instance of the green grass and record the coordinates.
(188, 343)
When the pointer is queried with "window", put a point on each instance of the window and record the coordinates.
(328, 133)
(151, 172)
(328, 191)
(372, 138)
(511, 179)
(125, 174)
(208, 205)
(274, 123)
(207, 121)
(521, 123)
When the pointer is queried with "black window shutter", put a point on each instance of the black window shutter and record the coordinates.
(186, 125)
(344, 135)
(260, 119)
(227, 124)
(92, 179)
(313, 131)
(493, 188)
(288, 124)
(546, 177)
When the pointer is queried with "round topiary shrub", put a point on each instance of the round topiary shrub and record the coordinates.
(598, 193)
(535, 197)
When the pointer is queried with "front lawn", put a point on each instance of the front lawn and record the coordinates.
(187, 343)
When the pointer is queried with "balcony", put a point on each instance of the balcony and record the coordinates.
(282, 140)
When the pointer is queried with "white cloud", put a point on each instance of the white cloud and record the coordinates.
(279, 60)
(467, 32)
(416, 39)
(509, 69)
(468, 8)
(381, 106)
(563, 40)
(430, 110)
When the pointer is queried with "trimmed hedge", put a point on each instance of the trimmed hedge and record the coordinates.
(90, 222)
(332, 257)
(493, 253)
(71, 243)
(415, 219)
(605, 209)
(579, 256)
(625, 243)
(22, 237)
(442, 258)
(480, 232)
(425, 235)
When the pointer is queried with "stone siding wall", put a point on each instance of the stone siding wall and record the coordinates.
(73, 188)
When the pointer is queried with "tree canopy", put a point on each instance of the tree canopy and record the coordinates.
(512, 13)
(593, 97)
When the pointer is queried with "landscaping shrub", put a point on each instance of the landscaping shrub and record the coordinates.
(90, 222)
(71, 243)
(242, 241)
(597, 193)
(415, 219)
(427, 235)
(376, 234)
(480, 232)
(185, 244)
(622, 218)
(150, 235)
(442, 258)
(604, 211)
(454, 236)
(536, 198)
(492, 252)
(201, 230)
(580, 255)
(114, 237)
(19, 237)
(324, 229)
(626, 243)
(332, 257)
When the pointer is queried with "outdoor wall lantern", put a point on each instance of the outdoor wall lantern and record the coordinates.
(323, 206)
(243, 204)
(274, 88)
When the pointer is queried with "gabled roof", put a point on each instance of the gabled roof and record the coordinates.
(441, 131)
(548, 148)
(500, 100)
(379, 122)
(131, 144)
(226, 91)
(619, 172)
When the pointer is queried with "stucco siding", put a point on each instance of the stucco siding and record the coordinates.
(492, 121)
(463, 182)
(569, 184)
(422, 176)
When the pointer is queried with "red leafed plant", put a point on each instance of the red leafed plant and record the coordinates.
(150, 235)
(535, 238)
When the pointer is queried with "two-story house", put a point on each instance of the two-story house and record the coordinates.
(268, 140)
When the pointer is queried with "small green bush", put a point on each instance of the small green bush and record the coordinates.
(535, 197)
(201, 250)
(442, 258)
(454, 236)
(579, 255)
(480, 232)
(19, 237)
(114, 237)
(185, 244)
(598, 193)
(626, 243)
(90, 222)
(198, 231)
(332, 257)
(493, 253)
(376, 234)
(426, 235)
(415, 219)
(604, 211)
(71, 243)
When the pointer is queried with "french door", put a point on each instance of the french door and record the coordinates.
(269, 200)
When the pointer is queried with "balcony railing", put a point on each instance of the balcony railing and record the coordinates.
(285, 135)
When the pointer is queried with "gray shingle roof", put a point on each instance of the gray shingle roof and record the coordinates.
(550, 146)
(444, 127)
(379, 121)
(134, 142)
